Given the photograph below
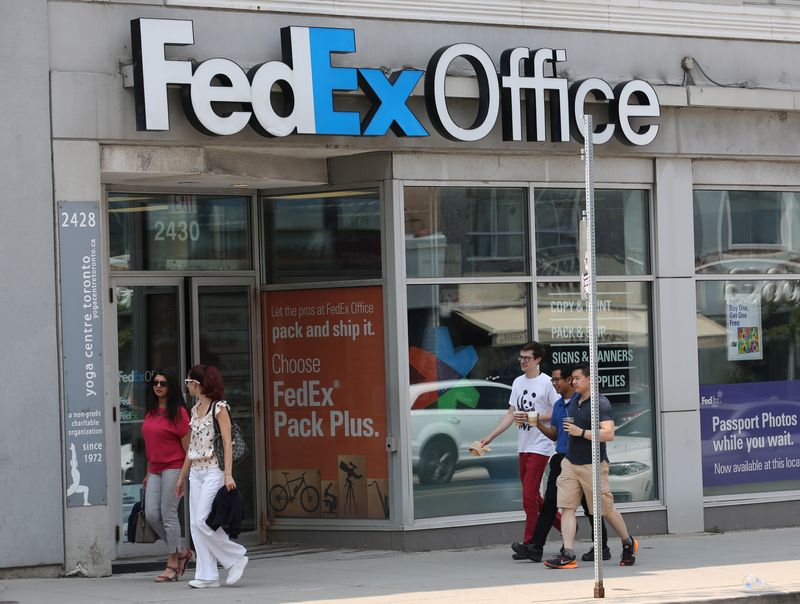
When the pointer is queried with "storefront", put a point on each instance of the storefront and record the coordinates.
(363, 251)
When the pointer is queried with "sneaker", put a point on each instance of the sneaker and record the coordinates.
(200, 584)
(629, 553)
(526, 551)
(589, 556)
(561, 561)
(235, 571)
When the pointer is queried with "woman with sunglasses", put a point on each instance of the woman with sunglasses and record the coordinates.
(166, 439)
(207, 480)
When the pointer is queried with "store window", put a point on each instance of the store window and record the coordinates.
(178, 232)
(464, 337)
(463, 231)
(463, 344)
(625, 374)
(316, 237)
(748, 331)
(754, 232)
(621, 219)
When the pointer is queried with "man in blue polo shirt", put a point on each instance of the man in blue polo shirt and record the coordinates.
(562, 382)
(576, 473)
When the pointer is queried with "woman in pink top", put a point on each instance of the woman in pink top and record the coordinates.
(166, 438)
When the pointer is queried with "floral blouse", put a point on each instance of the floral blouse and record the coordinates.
(201, 443)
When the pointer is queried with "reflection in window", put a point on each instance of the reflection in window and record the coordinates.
(463, 343)
(330, 236)
(748, 341)
(148, 337)
(779, 321)
(746, 232)
(459, 231)
(178, 232)
(621, 218)
(624, 369)
(224, 320)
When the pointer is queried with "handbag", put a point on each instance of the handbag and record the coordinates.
(139, 530)
(238, 447)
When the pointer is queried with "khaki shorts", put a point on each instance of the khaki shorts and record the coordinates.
(576, 481)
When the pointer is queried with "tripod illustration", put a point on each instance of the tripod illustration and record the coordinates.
(281, 495)
(350, 506)
(384, 499)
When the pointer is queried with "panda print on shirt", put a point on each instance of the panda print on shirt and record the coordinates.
(525, 402)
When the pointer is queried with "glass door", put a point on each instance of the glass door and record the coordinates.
(222, 311)
(150, 336)
(171, 323)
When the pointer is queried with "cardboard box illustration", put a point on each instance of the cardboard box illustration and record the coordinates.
(330, 499)
(377, 498)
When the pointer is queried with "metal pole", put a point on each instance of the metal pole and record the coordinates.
(590, 282)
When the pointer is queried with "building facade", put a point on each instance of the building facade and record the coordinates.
(359, 213)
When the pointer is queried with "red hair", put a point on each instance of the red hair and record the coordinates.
(210, 380)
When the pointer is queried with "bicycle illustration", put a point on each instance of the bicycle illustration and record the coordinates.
(282, 495)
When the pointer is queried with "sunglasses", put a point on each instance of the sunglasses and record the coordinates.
(190, 380)
(162, 383)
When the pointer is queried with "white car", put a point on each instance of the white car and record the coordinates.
(630, 455)
(440, 436)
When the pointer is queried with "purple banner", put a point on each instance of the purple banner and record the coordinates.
(750, 432)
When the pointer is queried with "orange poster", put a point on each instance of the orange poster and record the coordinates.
(326, 400)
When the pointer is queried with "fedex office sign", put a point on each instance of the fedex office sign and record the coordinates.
(308, 81)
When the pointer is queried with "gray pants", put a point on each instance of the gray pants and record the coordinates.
(161, 508)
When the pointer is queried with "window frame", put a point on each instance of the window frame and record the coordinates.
(531, 281)
(718, 500)
(263, 247)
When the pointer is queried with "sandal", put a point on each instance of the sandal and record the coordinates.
(165, 578)
(184, 559)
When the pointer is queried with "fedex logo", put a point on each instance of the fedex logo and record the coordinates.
(306, 78)
(308, 82)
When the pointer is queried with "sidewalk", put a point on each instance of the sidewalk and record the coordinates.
(669, 568)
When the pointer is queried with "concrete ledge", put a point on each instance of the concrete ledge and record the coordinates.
(32, 572)
(733, 517)
(639, 523)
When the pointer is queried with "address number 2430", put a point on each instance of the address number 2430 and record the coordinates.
(176, 230)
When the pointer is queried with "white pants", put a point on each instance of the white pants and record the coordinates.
(211, 546)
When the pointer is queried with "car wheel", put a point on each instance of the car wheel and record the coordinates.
(437, 461)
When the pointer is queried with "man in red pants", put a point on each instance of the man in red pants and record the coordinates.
(532, 398)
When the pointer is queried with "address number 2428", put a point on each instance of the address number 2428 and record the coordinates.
(78, 219)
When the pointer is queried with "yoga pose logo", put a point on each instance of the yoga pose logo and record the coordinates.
(76, 486)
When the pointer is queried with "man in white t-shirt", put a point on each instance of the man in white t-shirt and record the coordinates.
(531, 403)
